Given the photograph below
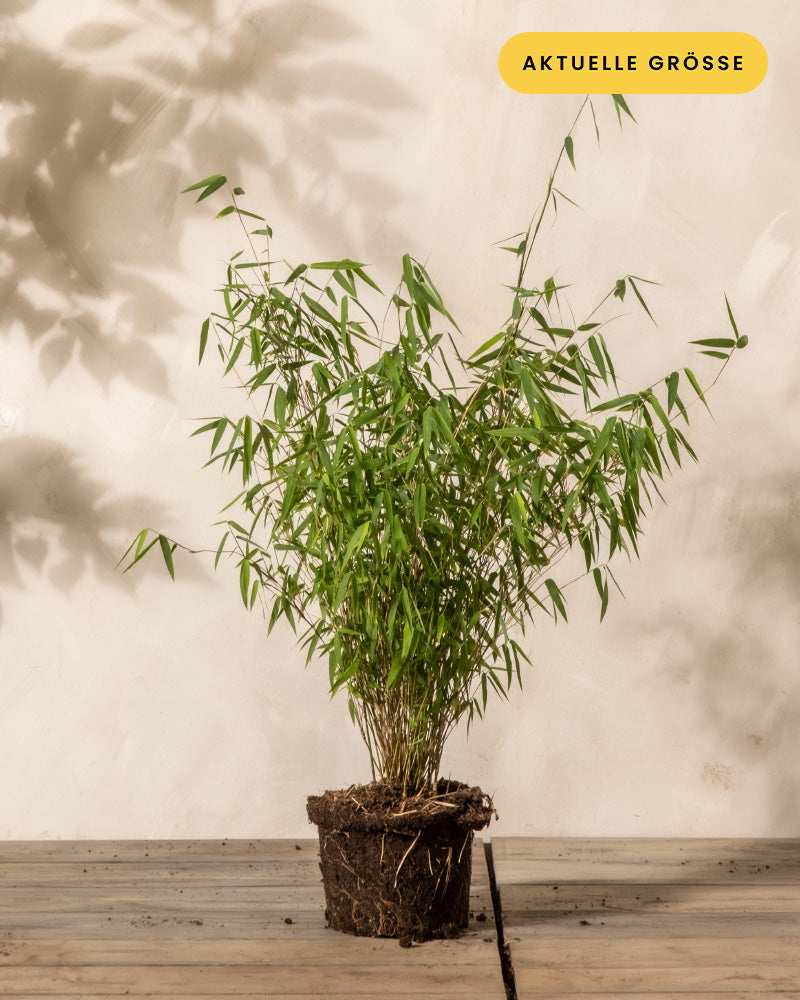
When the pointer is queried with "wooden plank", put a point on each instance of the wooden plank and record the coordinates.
(199, 925)
(209, 921)
(156, 899)
(225, 926)
(784, 872)
(66, 873)
(739, 994)
(666, 953)
(685, 980)
(356, 979)
(651, 918)
(173, 930)
(637, 848)
(612, 926)
(567, 897)
(266, 925)
(23, 851)
(568, 871)
(330, 994)
(332, 950)
(647, 860)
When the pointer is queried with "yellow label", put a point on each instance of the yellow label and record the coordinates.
(633, 62)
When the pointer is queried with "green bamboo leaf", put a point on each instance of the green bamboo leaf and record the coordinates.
(715, 342)
(685, 444)
(397, 667)
(220, 548)
(609, 361)
(569, 506)
(594, 119)
(619, 403)
(598, 358)
(167, 549)
(556, 597)
(362, 274)
(345, 264)
(620, 103)
(420, 504)
(343, 317)
(215, 185)
(320, 311)
(672, 441)
(565, 197)
(346, 281)
(203, 339)
(279, 406)
(247, 449)
(642, 302)
(208, 184)
(568, 146)
(234, 357)
(295, 273)
(248, 215)
(672, 390)
(407, 607)
(139, 549)
(222, 424)
(730, 317)
(277, 610)
(355, 543)
(529, 391)
(408, 638)
(602, 589)
(522, 433)
(341, 591)
(390, 618)
(658, 409)
(600, 448)
(244, 581)
(205, 428)
(517, 511)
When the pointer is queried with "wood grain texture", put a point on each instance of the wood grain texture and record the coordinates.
(211, 919)
(651, 918)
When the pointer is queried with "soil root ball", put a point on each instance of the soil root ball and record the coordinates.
(395, 865)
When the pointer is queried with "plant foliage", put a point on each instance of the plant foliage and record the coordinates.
(405, 507)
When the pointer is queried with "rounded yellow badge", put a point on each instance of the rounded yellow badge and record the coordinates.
(633, 62)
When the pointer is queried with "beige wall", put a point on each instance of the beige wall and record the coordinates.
(132, 707)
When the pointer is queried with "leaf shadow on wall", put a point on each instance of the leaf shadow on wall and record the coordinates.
(738, 665)
(55, 518)
(96, 157)
(101, 136)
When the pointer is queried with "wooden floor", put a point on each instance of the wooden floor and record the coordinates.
(656, 919)
(211, 919)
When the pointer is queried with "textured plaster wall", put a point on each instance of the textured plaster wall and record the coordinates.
(132, 707)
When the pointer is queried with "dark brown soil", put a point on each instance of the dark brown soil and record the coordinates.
(398, 866)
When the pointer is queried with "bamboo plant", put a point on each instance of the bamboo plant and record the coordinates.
(405, 506)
